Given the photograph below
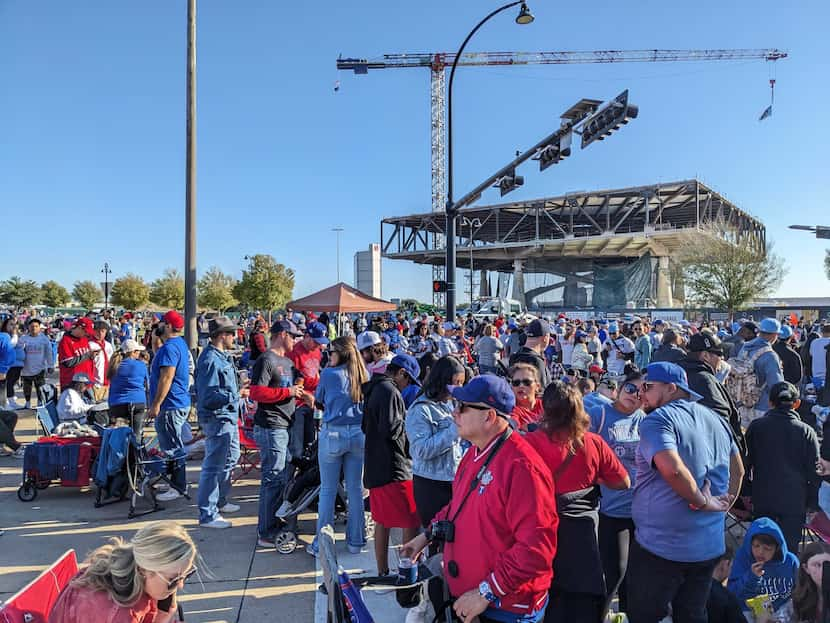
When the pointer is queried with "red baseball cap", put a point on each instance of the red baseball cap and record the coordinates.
(595, 369)
(86, 324)
(174, 319)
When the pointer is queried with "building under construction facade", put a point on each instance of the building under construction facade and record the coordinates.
(606, 249)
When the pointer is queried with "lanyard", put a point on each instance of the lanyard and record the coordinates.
(481, 471)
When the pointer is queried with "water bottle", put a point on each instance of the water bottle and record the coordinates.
(318, 414)
(407, 572)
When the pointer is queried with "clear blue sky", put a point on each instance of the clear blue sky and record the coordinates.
(92, 111)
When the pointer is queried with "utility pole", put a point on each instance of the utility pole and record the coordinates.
(337, 230)
(107, 272)
(190, 334)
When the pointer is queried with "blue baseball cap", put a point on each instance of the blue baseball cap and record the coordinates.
(287, 326)
(490, 390)
(658, 323)
(602, 322)
(785, 333)
(666, 372)
(317, 332)
(408, 364)
(613, 328)
(769, 325)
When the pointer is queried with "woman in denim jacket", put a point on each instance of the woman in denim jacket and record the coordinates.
(433, 438)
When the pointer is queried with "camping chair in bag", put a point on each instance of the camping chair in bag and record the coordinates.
(35, 601)
(47, 409)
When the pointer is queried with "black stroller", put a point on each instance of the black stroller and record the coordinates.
(130, 468)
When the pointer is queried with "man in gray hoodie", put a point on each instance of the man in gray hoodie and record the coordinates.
(767, 367)
(38, 359)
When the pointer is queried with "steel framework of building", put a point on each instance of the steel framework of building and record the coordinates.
(564, 235)
(438, 62)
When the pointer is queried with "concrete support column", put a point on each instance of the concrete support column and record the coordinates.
(664, 289)
(518, 282)
(483, 284)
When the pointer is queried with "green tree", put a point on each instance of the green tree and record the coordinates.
(216, 290)
(728, 269)
(168, 290)
(17, 292)
(827, 263)
(265, 285)
(54, 294)
(129, 292)
(87, 293)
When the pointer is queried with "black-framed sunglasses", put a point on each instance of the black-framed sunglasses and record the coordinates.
(519, 382)
(647, 386)
(171, 584)
(464, 405)
(631, 388)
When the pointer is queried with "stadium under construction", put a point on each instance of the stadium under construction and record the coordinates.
(605, 249)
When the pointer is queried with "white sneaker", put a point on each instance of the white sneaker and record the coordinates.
(169, 495)
(219, 523)
(229, 508)
(28, 404)
(418, 613)
(19, 453)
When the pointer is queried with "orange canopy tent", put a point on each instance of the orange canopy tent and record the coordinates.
(342, 299)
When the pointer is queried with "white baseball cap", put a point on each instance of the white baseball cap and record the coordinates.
(128, 346)
(367, 339)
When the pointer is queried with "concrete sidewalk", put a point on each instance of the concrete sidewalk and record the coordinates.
(243, 583)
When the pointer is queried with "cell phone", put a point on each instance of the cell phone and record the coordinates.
(166, 603)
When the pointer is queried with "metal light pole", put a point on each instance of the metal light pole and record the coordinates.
(107, 272)
(190, 332)
(337, 230)
(472, 223)
(524, 17)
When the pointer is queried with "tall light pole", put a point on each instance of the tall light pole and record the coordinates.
(337, 231)
(107, 272)
(524, 17)
(190, 332)
(475, 222)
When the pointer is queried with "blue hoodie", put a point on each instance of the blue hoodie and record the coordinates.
(768, 370)
(779, 574)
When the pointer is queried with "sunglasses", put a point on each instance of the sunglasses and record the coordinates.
(465, 405)
(631, 388)
(519, 382)
(648, 386)
(171, 584)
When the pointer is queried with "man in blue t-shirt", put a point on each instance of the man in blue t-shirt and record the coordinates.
(688, 474)
(170, 394)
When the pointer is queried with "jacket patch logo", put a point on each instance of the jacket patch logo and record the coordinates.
(486, 479)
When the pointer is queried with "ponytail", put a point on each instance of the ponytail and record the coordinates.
(115, 361)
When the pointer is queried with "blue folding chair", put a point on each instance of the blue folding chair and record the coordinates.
(47, 409)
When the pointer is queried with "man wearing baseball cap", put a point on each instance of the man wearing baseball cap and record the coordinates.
(74, 353)
(217, 406)
(689, 471)
(538, 338)
(306, 357)
(502, 512)
(765, 363)
(170, 394)
(387, 466)
(782, 452)
(791, 365)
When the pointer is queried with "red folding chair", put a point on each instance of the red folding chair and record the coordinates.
(248, 450)
(35, 601)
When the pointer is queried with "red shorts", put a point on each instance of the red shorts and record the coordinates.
(393, 505)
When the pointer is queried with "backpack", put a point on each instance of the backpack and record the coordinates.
(742, 383)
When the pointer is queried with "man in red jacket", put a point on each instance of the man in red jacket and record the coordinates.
(74, 353)
(498, 563)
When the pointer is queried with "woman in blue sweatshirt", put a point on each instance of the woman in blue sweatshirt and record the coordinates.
(763, 565)
(341, 441)
(128, 385)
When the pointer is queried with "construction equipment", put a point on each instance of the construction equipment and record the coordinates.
(437, 62)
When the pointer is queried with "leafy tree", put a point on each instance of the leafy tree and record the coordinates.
(17, 292)
(265, 285)
(54, 294)
(130, 292)
(168, 290)
(827, 263)
(216, 290)
(728, 269)
(87, 293)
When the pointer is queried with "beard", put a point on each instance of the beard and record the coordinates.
(649, 408)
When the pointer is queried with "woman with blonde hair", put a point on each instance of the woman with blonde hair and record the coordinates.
(341, 440)
(130, 582)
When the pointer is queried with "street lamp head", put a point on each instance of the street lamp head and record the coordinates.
(524, 16)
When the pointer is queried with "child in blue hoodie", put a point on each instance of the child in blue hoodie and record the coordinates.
(763, 565)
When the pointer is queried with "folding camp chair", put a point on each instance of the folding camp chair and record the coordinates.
(47, 409)
(817, 529)
(248, 449)
(35, 601)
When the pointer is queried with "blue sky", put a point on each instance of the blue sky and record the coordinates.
(92, 108)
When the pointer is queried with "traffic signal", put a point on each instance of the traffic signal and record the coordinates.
(616, 113)
(439, 286)
(555, 152)
(509, 182)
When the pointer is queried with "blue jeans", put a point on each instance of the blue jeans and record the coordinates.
(169, 430)
(273, 452)
(818, 383)
(341, 448)
(221, 454)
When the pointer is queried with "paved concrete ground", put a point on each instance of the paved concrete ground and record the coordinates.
(245, 583)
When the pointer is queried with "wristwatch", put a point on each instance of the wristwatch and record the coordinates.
(485, 591)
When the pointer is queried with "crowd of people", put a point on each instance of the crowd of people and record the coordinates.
(562, 468)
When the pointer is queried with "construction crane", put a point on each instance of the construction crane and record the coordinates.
(438, 62)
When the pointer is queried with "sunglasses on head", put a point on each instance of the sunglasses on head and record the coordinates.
(519, 382)
(631, 388)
